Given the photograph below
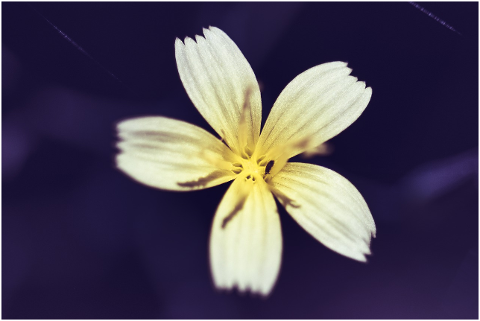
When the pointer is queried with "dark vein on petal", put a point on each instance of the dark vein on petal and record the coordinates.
(202, 181)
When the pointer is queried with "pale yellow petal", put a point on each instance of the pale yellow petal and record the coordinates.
(246, 238)
(171, 154)
(327, 206)
(222, 85)
(314, 107)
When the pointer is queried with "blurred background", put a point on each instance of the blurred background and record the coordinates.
(82, 240)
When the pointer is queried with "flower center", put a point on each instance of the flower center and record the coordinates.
(254, 167)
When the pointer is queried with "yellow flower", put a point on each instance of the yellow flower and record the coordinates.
(246, 238)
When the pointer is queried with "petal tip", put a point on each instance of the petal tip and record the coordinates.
(362, 256)
(373, 231)
(243, 291)
(209, 29)
(189, 41)
(360, 83)
(214, 29)
(178, 41)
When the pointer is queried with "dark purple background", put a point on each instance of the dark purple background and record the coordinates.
(82, 240)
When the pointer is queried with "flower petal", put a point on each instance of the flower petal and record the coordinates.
(246, 238)
(327, 206)
(314, 107)
(222, 85)
(172, 155)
